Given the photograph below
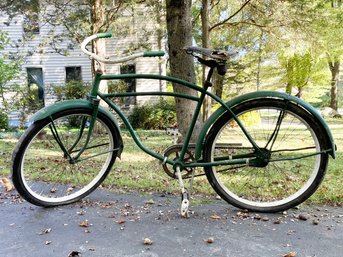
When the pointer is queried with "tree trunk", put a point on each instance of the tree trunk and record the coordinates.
(99, 46)
(218, 84)
(300, 92)
(205, 38)
(289, 88)
(160, 34)
(179, 26)
(259, 61)
(334, 68)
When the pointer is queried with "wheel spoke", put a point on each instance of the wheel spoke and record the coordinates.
(47, 175)
(297, 159)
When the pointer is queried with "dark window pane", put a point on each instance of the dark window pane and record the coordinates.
(73, 74)
(131, 83)
(35, 87)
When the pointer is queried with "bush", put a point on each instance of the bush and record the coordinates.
(154, 116)
(3, 120)
(72, 90)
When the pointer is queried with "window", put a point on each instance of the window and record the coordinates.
(73, 74)
(35, 88)
(131, 83)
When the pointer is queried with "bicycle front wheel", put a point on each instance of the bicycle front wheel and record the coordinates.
(291, 138)
(42, 171)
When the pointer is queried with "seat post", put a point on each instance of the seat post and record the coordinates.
(212, 64)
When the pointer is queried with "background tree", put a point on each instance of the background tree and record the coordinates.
(267, 32)
(9, 70)
(179, 27)
(298, 71)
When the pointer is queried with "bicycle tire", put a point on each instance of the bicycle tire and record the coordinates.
(41, 172)
(285, 181)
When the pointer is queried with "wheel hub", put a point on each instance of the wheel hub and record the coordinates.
(262, 159)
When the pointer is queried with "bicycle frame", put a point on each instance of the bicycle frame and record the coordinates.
(200, 99)
(252, 159)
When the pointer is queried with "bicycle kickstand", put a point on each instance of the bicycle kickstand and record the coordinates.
(184, 195)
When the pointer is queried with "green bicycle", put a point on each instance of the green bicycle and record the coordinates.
(264, 151)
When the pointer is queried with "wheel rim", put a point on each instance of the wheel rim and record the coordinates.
(49, 177)
(239, 185)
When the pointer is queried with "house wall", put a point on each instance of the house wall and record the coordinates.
(142, 32)
(40, 55)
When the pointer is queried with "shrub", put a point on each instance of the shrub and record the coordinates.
(72, 90)
(3, 120)
(154, 116)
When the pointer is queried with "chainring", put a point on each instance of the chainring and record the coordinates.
(173, 152)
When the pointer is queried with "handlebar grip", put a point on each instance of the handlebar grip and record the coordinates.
(153, 53)
(104, 35)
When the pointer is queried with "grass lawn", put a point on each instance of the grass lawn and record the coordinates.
(137, 171)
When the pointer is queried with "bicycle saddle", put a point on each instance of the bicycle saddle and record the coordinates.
(213, 54)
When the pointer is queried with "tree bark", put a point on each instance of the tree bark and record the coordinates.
(179, 27)
(99, 46)
(334, 68)
(205, 38)
(259, 61)
(218, 84)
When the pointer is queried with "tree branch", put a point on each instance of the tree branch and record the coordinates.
(230, 17)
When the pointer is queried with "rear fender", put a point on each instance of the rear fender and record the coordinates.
(330, 145)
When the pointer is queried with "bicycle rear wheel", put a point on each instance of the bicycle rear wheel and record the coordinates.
(295, 167)
(42, 172)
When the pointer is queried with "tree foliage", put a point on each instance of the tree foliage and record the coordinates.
(282, 44)
(9, 69)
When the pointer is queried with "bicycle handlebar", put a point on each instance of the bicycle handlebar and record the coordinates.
(118, 60)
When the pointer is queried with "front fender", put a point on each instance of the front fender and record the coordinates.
(75, 104)
(264, 94)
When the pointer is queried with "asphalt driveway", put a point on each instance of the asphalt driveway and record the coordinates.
(107, 224)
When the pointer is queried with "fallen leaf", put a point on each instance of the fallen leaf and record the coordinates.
(85, 223)
(7, 184)
(257, 217)
(147, 241)
(82, 212)
(74, 254)
(70, 189)
(210, 240)
(242, 214)
(45, 231)
(120, 221)
(265, 218)
(290, 254)
(304, 216)
(215, 217)
(150, 202)
(291, 232)
(315, 222)
(277, 221)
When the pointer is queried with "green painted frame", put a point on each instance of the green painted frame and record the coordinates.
(203, 92)
(92, 103)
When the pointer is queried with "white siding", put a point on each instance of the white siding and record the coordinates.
(141, 22)
(39, 54)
